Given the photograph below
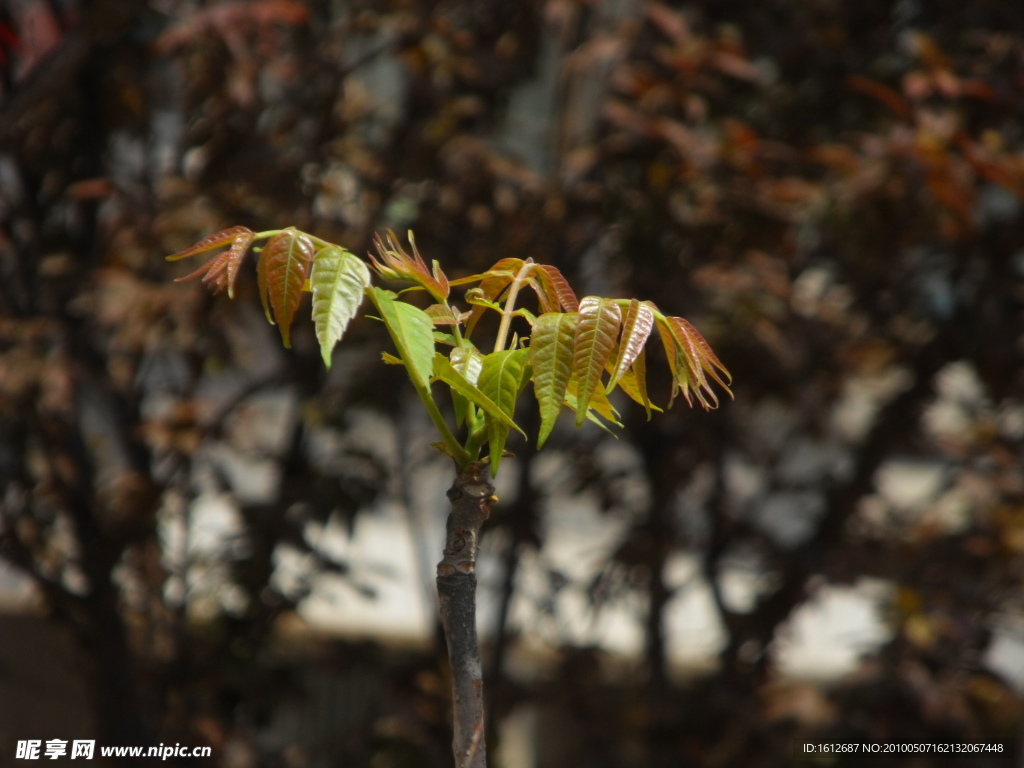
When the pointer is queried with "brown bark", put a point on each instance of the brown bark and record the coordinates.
(471, 498)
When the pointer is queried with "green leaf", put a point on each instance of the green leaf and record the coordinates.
(338, 282)
(526, 315)
(411, 330)
(441, 314)
(551, 356)
(283, 268)
(599, 402)
(468, 361)
(509, 265)
(591, 412)
(444, 371)
(636, 328)
(501, 380)
(501, 377)
(476, 298)
(596, 336)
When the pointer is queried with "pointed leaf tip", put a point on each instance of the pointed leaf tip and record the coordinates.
(338, 282)
(690, 358)
(210, 242)
(393, 263)
(283, 268)
(596, 338)
(461, 385)
(412, 331)
(554, 290)
(501, 380)
(222, 270)
(551, 357)
(636, 328)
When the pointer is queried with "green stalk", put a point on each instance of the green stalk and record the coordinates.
(510, 303)
(459, 341)
(475, 440)
(461, 455)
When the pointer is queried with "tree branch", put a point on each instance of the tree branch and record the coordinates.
(471, 497)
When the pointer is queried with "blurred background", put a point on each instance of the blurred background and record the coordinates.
(206, 539)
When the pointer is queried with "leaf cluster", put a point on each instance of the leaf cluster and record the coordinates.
(576, 354)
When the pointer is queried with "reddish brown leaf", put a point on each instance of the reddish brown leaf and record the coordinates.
(396, 264)
(210, 242)
(222, 270)
(554, 290)
(283, 269)
(682, 380)
(690, 357)
(636, 327)
(492, 283)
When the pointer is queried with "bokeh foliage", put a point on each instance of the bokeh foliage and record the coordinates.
(830, 191)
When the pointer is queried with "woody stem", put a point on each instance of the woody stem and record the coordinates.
(471, 496)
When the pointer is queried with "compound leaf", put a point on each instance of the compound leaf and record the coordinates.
(338, 281)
